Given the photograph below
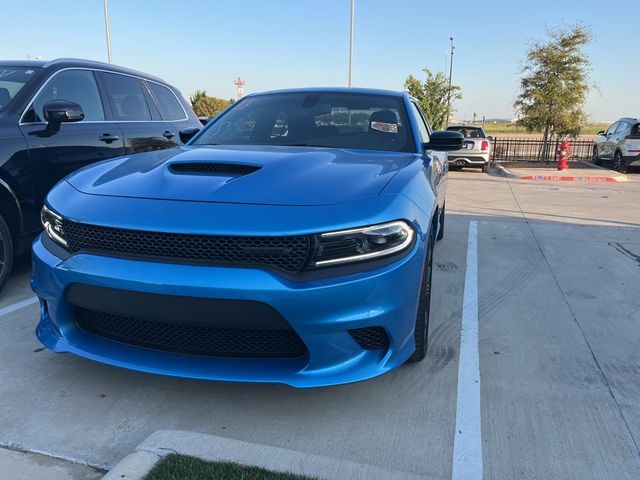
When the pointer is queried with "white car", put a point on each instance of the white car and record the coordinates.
(619, 144)
(476, 148)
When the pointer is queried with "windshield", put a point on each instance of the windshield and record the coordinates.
(335, 120)
(12, 79)
(468, 132)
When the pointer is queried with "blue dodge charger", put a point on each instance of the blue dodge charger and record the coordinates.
(291, 240)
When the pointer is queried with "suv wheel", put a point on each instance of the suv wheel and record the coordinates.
(6, 252)
(618, 163)
(596, 156)
(421, 332)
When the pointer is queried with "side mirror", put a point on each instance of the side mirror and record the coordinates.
(601, 132)
(445, 140)
(187, 134)
(490, 138)
(59, 111)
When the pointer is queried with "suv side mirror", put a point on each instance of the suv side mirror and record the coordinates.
(601, 132)
(58, 111)
(490, 138)
(445, 140)
(187, 134)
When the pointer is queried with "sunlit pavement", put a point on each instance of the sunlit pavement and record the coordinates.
(558, 315)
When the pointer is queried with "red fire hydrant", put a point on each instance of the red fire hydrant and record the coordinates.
(563, 153)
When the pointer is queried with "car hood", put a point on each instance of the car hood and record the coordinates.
(245, 174)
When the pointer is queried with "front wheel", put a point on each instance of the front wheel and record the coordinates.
(485, 168)
(618, 163)
(6, 252)
(421, 331)
(596, 156)
(441, 222)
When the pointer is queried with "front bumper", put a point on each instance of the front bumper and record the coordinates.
(321, 311)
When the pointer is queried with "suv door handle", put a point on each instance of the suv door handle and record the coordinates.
(108, 138)
(168, 134)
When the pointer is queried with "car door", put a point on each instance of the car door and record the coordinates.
(136, 114)
(609, 142)
(622, 131)
(55, 152)
(170, 108)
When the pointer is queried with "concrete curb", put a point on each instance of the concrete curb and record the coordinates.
(213, 448)
(497, 169)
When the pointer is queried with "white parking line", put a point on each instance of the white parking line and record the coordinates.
(18, 306)
(467, 444)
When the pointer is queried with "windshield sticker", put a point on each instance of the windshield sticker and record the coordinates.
(385, 127)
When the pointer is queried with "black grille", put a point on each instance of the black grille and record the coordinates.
(209, 168)
(196, 340)
(371, 338)
(286, 253)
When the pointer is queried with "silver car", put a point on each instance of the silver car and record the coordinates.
(620, 144)
(476, 148)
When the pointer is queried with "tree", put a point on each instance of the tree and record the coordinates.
(555, 84)
(433, 96)
(206, 106)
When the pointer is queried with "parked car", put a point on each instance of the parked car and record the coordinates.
(289, 241)
(619, 144)
(60, 115)
(476, 149)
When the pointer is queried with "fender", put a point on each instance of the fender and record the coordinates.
(5, 186)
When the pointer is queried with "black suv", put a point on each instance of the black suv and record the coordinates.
(58, 116)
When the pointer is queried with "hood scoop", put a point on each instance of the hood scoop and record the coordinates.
(213, 168)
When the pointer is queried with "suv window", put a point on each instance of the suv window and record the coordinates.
(170, 108)
(612, 128)
(77, 86)
(623, 129)
(126, 97)
(424, 131)
(12, 79)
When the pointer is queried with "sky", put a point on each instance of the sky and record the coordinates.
(198, 44)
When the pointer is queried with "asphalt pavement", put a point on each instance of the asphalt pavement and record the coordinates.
(558, 351)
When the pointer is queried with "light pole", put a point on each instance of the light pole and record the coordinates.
(450, 74)
(353, 8)
(106, 27)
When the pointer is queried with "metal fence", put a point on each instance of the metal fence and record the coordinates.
(534, 150)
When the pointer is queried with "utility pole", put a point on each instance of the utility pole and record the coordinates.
(450, 75)
(106, 27)
(353, 8)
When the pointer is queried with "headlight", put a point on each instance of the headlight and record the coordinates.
(360, 244)
(52, 223)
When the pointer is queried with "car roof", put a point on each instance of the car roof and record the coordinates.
(629, 119)
(76, 62)
(368, 91)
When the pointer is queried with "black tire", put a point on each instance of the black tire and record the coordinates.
(453, 168)
(441, 222)
(6, 252)
(485, 168)
(596, 157)
(421, 331)
(619, 164)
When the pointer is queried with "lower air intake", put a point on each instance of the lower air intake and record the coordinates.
(196, 340)
(371, 338)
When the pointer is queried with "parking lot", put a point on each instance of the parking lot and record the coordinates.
(559, 356)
